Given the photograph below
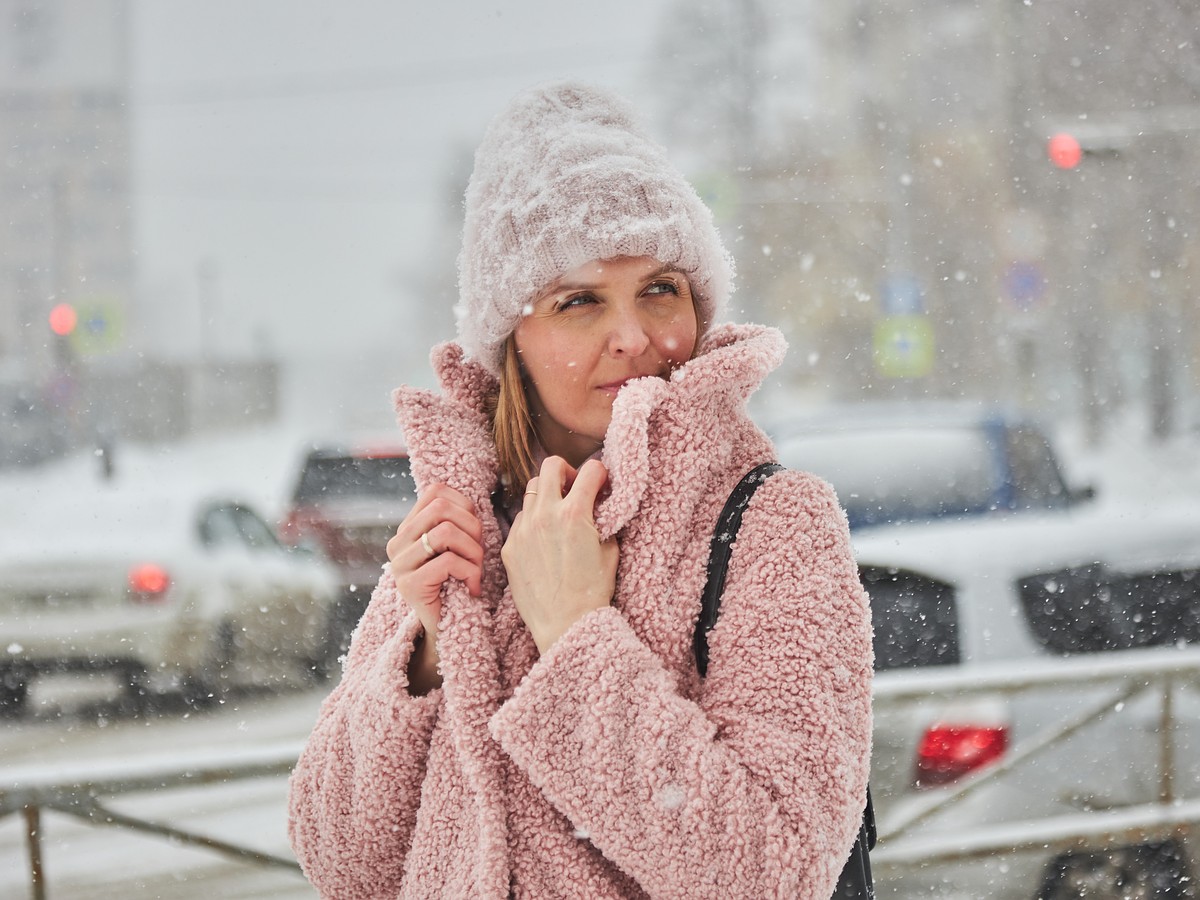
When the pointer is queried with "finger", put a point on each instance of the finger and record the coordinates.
(449, 538)
(589, 482)
(443, 493)
(406, 555)
(443, 510)
(436, 511)
(556, 473)
(439, 504)
(531, 491)
(436, 571)
(421, 588)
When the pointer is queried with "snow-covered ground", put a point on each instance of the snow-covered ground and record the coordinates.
(85, 861)
(1131, 466)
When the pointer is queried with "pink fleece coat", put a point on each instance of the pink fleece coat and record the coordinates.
(608, 768)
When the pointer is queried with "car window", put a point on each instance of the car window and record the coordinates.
(900, 474)
(254, 532)
(915, 619)
(1037, 482)
(219, 528)
(328, 478)
(1091, 609)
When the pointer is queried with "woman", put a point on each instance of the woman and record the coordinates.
(520, 713)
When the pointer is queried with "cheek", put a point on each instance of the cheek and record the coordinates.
(555, 367)
(554, 370)
(678, 342)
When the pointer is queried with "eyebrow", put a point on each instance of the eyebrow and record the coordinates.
(568, 287)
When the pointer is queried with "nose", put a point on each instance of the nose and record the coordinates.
(627, 335)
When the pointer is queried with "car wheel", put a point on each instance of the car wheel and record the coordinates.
(1145, 872)
(14, 691)
(209, 685)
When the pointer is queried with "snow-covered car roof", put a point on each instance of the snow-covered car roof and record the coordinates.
(926, 463)
(869, 414)
(104, 517)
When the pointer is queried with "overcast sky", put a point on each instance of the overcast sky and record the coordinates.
(297, 153)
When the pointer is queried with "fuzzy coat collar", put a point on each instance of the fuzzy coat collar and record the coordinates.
(449, 436)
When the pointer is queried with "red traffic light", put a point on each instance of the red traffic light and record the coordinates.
(1064, 150)
(63, 319)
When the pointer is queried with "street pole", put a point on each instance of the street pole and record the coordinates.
(65, 364)
(206, 297)
(1085, 307)
(745, 55)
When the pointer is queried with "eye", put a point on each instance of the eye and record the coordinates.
(575, 301)
(662, 287)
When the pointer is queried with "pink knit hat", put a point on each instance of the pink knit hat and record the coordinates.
(564, 176)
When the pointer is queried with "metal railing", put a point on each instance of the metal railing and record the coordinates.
(903, 843)
(1111, 683)
(78, 791)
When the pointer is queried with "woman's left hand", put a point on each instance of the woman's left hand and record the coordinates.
(558, 568)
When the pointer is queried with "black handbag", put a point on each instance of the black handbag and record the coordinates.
(855, 882)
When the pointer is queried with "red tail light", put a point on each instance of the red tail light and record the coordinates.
(148, 583)
(292, 529)
(948, 752)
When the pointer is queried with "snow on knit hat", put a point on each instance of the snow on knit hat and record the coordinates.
(562, 177)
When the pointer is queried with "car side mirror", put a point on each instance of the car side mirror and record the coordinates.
(1084, 494)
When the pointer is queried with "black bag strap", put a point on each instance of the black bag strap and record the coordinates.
(869, 834)
(855, 882)
(719, 554)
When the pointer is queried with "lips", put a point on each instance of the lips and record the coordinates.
(613, 387)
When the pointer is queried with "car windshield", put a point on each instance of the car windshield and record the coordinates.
(890, 474)
(327, 478)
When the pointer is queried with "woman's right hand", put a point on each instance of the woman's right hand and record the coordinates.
(444, 522)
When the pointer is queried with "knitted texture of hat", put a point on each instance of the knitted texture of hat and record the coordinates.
(562, 177)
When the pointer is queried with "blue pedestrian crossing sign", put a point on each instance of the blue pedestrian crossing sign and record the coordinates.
(101, 326)
(904, 346)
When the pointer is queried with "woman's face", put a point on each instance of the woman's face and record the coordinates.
(595, 328)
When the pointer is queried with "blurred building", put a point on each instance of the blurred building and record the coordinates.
(64, 185)
(901, 219)
(67, 243)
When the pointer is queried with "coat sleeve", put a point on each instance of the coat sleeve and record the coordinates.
(758, 790)
(354, 793)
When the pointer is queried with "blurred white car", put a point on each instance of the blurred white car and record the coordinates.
(160, 590)
(976, 553)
